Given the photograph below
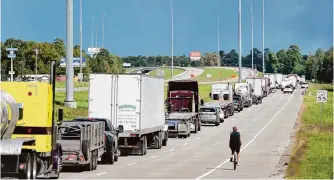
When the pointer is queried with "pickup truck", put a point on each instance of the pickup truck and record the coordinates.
(111, 148)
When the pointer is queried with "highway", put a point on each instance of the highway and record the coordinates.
(264, 128)
(182, 76)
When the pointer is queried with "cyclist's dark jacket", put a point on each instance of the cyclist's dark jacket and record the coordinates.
(235, 141)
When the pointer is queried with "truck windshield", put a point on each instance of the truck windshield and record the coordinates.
(207, 110)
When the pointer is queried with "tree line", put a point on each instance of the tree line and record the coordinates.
(318, 66)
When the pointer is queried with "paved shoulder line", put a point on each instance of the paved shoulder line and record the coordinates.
(220, 165)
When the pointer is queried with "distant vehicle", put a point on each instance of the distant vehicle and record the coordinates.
(257, 90)
(179, 124)
(304, 85)
(238, 103)
(210, 114)
(183, 96)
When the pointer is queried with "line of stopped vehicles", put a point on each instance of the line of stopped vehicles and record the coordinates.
(127, 114)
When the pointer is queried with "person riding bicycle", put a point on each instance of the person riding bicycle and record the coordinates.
(235, 143)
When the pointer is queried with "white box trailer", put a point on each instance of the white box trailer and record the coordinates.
(272, 80)
(257, 89)
(279, 79)
(134, 101)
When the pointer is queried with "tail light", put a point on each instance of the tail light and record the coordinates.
(133, 135)
(72, 157)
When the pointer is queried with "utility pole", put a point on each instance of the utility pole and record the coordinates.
(239, 29)
(11, 55)
(218, 38)
(252, 34)
(263, 65)
(36, 53)
(0, 39)
(104, 14)
(69, 101)
(171, 2)
(80, 76)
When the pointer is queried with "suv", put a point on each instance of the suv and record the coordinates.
(210, 115)
(238, 104)
(112, 151)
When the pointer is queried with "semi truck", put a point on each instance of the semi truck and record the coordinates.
(279, 79)
(266, 86)
(257, 90)
(183, 96)
(272, 81)
(244, 90)
(222, 95)
(29, 131)
(135, 102)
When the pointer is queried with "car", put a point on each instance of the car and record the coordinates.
(304, 85)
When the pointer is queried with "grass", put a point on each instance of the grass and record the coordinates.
(259, 74)
(225, 74)
(129, 69)
(62, 84)
(81, 98)
(167, 72)
(312, 156)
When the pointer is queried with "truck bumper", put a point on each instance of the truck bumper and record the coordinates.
(173, 133)
(209, 121)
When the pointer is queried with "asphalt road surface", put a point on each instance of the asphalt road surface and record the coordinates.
(264, 128)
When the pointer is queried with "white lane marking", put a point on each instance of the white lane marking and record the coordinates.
(154, 157)
(185, 144)
(220, 165)
(132, 164)
(171, 150)
(198, 138)
(101, 173)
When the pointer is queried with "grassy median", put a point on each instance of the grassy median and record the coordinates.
(167, 72)
(62, 84)
(225, 74)
(312, 156)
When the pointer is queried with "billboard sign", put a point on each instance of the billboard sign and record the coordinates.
(94, 50)
(195, 56)
(76, 62)
(127, 64)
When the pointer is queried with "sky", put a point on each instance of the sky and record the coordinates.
(143, 27)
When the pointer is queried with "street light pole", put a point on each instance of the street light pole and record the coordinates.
(218, 47)
(93, 31)
(171, 2)
(252, 34)
(96, 35)
(69, 101)
(80, 76)
(263, 65)
(103, 29)
(36, 53)
(239, 28)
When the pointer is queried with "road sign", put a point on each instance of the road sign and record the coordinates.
(322, 96)
(11, 49)
(220, 74)
(208, 75)
(11, 55)
(11, 72)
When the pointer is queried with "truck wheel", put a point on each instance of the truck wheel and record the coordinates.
(34, 165)
(26, 174)
(164, 142)
(117, 155)
(239, 109)
(89, 166)
(95, 155)
(143, 147)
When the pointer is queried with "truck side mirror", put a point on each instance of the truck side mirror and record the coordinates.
(120, 129)
(20, 106)
(202, 102)
(60, 115)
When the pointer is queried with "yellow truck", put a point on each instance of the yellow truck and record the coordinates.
(29, 130)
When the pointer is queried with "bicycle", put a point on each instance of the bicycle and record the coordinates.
(235, 162)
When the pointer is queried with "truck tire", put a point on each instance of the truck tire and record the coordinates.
(117, 155)
(196, 126)
(164, 142)
(95, 155)
(143, 148)
(89, 166)
(34, 165)
(26, 173)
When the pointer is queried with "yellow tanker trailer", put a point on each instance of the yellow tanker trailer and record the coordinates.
(28, 129)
